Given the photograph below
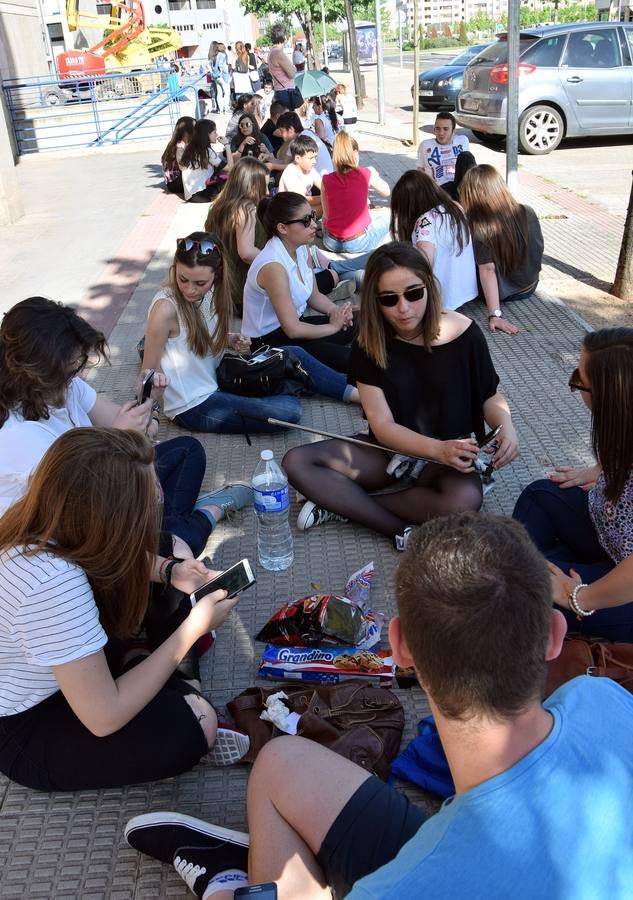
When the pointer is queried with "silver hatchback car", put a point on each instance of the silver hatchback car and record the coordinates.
(574, 81)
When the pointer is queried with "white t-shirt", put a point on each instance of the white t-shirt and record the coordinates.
(191, 378)
(195, 180)
(438, 160)
(323, 164)
(293, 179)
(259, 316)
(267, 99)
(48, 617)
(456, 274)
(23, 444)
(328, 130)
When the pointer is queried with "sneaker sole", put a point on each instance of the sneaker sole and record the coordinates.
(196, 828)
(304, 513)
(229, 747)
(207, 499)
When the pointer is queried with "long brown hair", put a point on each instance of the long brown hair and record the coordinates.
(196, 153)
(43, 345)
(494, 216)
(375, 331)
(610, 372)
(199, 340)
(183, 131)
(93, 501)
(414, 194)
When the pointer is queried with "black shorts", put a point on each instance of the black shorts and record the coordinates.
(371, 829)
(325, 281)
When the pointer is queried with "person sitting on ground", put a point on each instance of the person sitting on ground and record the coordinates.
(187, 334)
(348, 226)
(405, 340)
(437, 156)
(172, 154)
(581, 518)
(281, 69)
(243, 104)
(267, 94)
(422, 213)
(531, 779)
(280, 287)
(289, 127)
(464, 163)
(233, 217)
(249, 141)
(326, 122)
(300, 176)
(507, 240)
(75, 559)
(269, 128)
(346, 105)
(44, 348)
(203, 163)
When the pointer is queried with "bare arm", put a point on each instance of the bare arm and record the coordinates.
(273, 279)
(162, 324)
(497, 412)
(427, 249)
(245, 235)
(613, 589)
(319, 130)
(490, 288)
(378, 184)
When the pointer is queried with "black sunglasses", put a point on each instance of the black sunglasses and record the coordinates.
(306, 221)
(205, 248)
(411, 295)
(575, 384)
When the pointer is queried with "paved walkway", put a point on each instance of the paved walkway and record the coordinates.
(71, 846)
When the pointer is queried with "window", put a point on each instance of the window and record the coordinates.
(205, 4)
(179, 4)
(592, 50)
(545, 52)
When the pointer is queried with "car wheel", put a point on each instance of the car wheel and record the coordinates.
(541, 129)
(54, 98)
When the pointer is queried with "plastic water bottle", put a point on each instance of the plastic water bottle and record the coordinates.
(272, 501)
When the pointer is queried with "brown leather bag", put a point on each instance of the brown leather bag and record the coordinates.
(600, 659)
(359, 721)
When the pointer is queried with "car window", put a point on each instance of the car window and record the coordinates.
(629, 35)
(592, 50)
(545, 52)
(465, 56)
(498, 52)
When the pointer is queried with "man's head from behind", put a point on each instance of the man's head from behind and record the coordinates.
(475, 611)
(289, 126)
(444, 127)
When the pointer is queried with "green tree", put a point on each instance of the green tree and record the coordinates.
(462, 33)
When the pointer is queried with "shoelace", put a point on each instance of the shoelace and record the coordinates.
(189, 872)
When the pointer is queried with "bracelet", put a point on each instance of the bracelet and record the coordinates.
(161, 573)
(156, 419)
(156, 406)
(575, 606)
(168, 570)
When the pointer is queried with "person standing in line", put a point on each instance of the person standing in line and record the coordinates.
(437, 155)
(299, 57)
(282, 70)
(253, 70)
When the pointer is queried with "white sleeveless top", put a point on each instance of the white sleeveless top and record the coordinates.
(191, 378)
(259, 317)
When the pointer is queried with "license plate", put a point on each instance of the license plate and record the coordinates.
(425, 93)
(470, 105)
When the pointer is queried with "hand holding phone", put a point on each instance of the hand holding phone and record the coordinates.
(490, 437)
(146, 387)
(234, 580)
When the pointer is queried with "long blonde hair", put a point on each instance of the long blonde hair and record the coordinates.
(199, 340)
(344, 150)
(93, 501)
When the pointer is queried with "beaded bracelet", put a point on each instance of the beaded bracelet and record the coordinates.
(161, 571)
(575, 606)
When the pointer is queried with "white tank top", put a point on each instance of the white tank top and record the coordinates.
(191, 378)
(259, 317)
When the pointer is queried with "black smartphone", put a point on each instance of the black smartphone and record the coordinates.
(489, 438)
(146, 387)
(233, 581)
(262, 891)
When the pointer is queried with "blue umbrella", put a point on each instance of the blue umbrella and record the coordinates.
(314, 83)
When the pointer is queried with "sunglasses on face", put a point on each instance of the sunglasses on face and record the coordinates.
(306, 221)
(205, 248)
(575, 384)
(411, 295)
(246, 124)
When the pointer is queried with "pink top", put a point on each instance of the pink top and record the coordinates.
(281, 81)
(346, 198)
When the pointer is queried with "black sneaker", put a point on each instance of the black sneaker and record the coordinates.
(161, 834)
(311, 515)
(198, 865)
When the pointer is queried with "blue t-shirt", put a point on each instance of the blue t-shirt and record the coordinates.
(558, 824)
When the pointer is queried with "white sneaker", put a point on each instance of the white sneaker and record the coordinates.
(229, 747)
(311, 515)
(401, 540)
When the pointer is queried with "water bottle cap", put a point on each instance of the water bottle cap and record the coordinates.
(267, 454)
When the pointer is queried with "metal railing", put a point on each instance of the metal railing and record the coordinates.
(54, 114)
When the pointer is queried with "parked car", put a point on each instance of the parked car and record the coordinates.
(439, 87)
(574, 81)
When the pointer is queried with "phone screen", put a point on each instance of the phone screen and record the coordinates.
(233, 581)
(262, 891)
(489, 438)
(146, 387)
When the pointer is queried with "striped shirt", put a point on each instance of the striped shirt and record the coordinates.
(48, 617)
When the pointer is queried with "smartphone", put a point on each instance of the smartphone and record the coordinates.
(233, 580)
(263, 891)
(489, 438)
(263, 356)
(146, 387)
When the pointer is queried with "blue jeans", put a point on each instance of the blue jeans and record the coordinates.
(367, 241)
(559, 523)
(223, 413)
(180, 464)
(327, 382)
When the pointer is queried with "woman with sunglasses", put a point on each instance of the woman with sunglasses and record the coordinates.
(426, 384)
(187, 334)
(280, 287)
(202, 163)
(249, 141)
(81, 705)
(582, 518)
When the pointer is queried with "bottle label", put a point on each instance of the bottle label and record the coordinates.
(271, 501)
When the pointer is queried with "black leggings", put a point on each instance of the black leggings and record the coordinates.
(334, 350)
(341, 477)
(48, 749)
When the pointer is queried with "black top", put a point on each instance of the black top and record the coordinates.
(268, 128)
(526, 276)
(438, 394)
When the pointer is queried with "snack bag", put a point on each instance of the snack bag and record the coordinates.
(328, 665)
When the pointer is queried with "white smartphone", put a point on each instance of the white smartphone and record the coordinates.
(234, 580)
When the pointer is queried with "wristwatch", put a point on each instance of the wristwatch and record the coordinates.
(496, 313)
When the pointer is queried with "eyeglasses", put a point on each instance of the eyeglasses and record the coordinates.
(246, 124)
(575, 384)
(411, 295)
(306, 221)
(205, 248)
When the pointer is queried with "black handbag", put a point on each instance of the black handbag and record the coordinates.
(264, 373)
